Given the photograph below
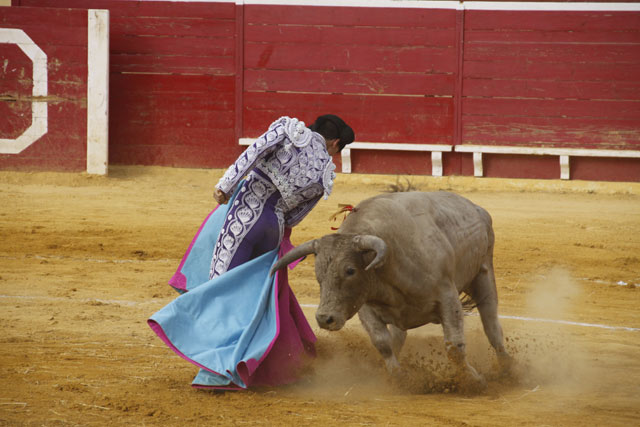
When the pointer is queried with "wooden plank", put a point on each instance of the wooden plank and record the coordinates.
(391, 162)
(66, 116)
(173, 122)
(578, 71)
(550, 131)
(623, 110)
(128, 44)
(65, 20)
(212, 155)
(495, 20)
(173, 86)
(556, 89)
(178, 64)
(34, 164)
(160, 102)
(347, 82)
(350, 16)
(37, 163)
(603, 169)
(144, 8)
(58, 144)
(568, 36)
(526, 167)
(16, 72)
(406, 119)
(351, 58)
(607, 53)
(52, 38)
(172, 25)
(365, 36)
(152, 136)
(16, 117)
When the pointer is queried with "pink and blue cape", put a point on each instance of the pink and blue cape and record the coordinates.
(244, 328)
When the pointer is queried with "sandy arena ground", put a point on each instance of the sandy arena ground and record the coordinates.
(84, 262)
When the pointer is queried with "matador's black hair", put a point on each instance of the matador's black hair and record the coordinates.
(331, 126)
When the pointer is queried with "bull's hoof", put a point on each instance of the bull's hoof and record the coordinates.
(471, 383)
(506, 363)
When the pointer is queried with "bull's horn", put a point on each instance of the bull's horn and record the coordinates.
(372, 243)
(298, 252)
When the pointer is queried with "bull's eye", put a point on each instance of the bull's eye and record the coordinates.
(350, 271)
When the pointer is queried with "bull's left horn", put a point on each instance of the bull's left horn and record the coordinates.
(372, 243)
(298, 252)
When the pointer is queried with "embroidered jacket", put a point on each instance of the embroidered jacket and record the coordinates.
(296, 161)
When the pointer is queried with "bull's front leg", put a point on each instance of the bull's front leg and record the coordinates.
(451, 314)
(381, 339)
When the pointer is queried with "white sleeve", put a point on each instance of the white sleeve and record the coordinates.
(248, 159)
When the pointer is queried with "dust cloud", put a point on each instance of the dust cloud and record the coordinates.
(346, 367)
(554, 294)
(545, 353)
(548, 353)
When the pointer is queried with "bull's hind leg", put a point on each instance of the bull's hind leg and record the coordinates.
(484, 293)
(451, 314)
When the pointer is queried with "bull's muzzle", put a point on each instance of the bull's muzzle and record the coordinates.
(329, 321)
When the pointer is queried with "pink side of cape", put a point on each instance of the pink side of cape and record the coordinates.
(283, 359)
(179, 281)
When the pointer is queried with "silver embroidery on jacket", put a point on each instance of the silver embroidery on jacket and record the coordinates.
(242, 217)
(296, 161)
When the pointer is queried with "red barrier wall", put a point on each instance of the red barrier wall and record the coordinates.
(553, 79)
(60, 38)
(189, 79)
(172, 81)
(388, 72)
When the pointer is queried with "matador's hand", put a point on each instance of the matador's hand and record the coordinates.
(220, 197)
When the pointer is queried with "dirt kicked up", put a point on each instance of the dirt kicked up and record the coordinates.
(84, 261)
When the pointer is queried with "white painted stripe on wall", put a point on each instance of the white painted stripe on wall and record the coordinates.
(198, 1)
(98, 92)
(39, 110)
(472, 5)
(337, 3)
(361, 3)
(577, 7)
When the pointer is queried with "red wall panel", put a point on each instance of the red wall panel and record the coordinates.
(390, 73)
(172, 86)
(552, 79)
(605, 169)
(189, 78)
(62, 35)
(407, 119)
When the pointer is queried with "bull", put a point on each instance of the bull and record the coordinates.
(402, 260)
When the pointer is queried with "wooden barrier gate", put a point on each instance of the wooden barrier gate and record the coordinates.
(524, 90)
(54, 90)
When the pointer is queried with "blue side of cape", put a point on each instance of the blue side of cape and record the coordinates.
(224, 321)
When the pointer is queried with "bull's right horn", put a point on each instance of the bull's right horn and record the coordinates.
(296, 253)
(372, 243)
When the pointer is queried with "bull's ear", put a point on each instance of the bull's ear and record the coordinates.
(375, 244)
